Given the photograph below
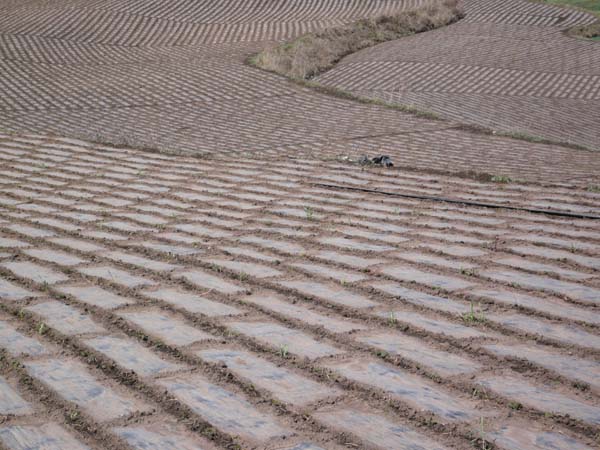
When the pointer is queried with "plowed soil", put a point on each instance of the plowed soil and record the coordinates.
(153, 301)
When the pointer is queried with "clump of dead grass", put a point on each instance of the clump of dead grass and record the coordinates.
(590, 31)
(314, 53)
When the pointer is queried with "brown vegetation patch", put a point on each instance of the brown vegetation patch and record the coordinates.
(591, 31)
(314, 53)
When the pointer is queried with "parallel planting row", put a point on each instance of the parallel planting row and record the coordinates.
(166, 302)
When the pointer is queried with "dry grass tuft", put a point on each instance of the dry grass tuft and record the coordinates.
(591, 31)
(314, 53)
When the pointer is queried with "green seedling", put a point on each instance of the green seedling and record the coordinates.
(392, 318)
(472, 316)
(309, 213)
(283, 351)
(515, 405)
(484, 443)
(468, 272)
(42, 328)
(501, 179)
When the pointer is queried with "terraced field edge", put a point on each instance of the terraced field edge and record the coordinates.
(315, 53)
(587, 31)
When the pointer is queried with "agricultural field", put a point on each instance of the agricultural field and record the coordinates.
(194, 253)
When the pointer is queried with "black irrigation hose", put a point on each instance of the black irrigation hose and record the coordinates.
(461, 202)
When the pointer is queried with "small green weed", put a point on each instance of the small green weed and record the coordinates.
(309, 212)
(515, 405)
(484, 444)
(392, 319)
(501, 179)
(284, 351)
(469, 272)
(474, 317)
